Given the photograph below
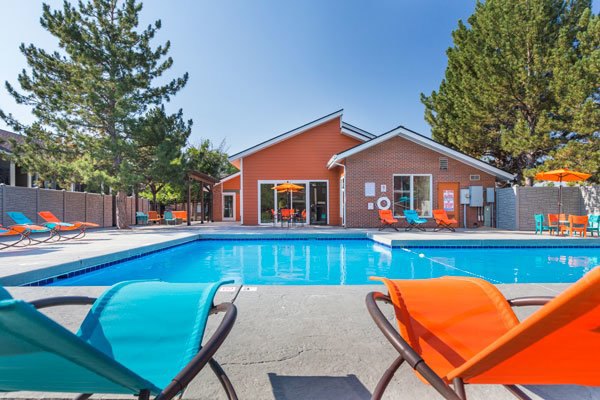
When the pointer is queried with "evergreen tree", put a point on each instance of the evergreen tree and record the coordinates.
(88, 95)
(160, 139)
(521, 80)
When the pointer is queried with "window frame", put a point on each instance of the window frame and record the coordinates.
(412, 193)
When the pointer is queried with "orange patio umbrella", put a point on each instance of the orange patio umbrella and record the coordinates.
(560, 176)
(288, 188)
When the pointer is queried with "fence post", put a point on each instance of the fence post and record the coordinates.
(37, 204)
(64, 216)
(3, 205)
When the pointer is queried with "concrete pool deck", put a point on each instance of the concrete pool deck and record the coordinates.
(289, 342)
(24, 265)
(309, 342)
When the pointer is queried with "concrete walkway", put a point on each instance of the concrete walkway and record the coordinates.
(311, 342)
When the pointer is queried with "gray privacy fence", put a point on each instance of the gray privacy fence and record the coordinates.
(516, 206)
(67, 206)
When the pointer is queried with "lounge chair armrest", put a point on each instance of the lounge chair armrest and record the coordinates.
(529, 301)
(205, 354)
(62, 301)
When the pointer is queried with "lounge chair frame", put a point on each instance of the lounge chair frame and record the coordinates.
(24, 235)
(189, 372)
(412, 223)
(407, 353)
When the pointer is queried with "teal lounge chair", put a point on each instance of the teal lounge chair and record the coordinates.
(141, 218)
(413, 220)
(541, 228)
(594, 224)
(169, 218)
(139, 338)
(23, 221)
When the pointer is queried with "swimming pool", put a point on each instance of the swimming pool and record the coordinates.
(341, 262)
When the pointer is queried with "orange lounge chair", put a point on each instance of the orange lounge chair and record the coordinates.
(153, 216)
(577, 223)
(180, 215)
(21, 231)
(442, 221)
(462, 330)
(387, 220)
(59, 226)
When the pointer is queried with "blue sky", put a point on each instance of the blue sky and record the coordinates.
(259, 68)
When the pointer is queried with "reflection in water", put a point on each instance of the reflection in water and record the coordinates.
(345, 262)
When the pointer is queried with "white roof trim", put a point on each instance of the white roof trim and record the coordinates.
(425, 142)
(229, 177)
(286, 135)
(355, 132)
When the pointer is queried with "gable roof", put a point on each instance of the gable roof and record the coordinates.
(346, 129)
(424, 141)
(229, 177)
(5, 136)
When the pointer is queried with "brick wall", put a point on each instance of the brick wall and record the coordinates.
(67, 206)
(517, 206)
(400, 156)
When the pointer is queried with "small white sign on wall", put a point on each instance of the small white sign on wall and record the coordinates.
(370, 206)
(370, 189)
(383, 188)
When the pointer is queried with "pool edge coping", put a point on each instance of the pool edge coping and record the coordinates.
(47, 275)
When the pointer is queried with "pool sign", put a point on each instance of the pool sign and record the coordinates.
(448, 200)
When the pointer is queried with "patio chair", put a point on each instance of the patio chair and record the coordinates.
(556, 222)
(540, 227)
(458, 330)
(577, 223)
(139, 338)
(141, 218)
(413, 220)
(180, 215)
(153, 216)
(386, 217)
(169, 219)
(20, 231)
(21, 220)
(53, 222)
(287, 215)
(593, 224)
(443, 222)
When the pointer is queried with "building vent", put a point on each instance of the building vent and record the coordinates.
(475, 177)
(443, 164)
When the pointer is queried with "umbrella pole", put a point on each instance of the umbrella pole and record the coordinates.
(559, 196)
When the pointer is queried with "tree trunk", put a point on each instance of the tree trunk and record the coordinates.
(121, 200)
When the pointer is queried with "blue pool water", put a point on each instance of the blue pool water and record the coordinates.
(341, 262)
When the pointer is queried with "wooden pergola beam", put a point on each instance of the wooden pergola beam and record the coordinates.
(204, 180)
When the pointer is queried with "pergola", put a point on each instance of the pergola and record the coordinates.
(206, 182)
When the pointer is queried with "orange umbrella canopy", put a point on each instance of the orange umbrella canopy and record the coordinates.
(288, 187)
(562, 175)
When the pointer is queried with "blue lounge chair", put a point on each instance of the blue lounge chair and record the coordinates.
(541, 228)
(594, 224)
(169, 218)
(413, 220)
(141, 218)
(21, 220)
(139, 338)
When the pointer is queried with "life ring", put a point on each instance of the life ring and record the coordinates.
(383, 203)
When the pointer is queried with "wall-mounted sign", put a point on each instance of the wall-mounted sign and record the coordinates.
(370, 189)
(448, 200)
(383, 188)
(370, 206)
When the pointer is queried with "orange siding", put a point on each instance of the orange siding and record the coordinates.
(233, 185)
(302, 157)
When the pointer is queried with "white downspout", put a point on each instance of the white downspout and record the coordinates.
(345, 186)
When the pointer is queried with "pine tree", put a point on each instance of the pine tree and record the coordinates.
(88, 95)
(160, 141)
(508, 94)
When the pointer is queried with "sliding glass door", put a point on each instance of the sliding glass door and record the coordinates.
(310, 203)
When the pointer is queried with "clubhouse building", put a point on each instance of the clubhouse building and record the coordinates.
(347, 174)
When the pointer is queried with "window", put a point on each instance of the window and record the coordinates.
(474, 177)
(412, 192)
(443, 164)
